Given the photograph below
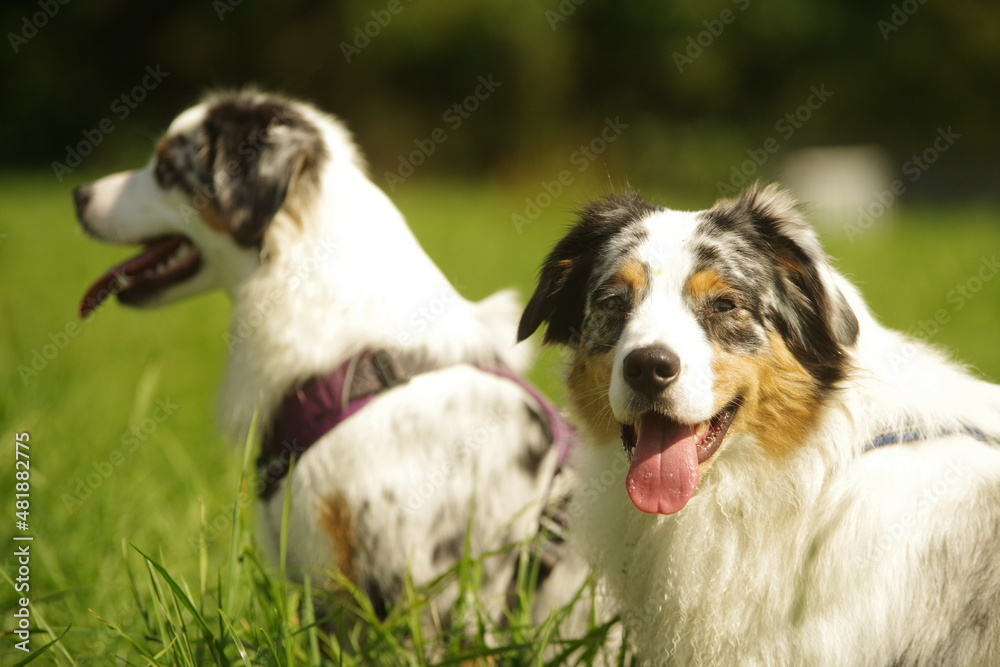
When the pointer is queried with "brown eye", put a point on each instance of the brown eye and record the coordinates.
(164, 174)
(723, 305)
(613, 302)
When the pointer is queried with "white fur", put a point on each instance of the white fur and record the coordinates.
(422, 461)
(663, 319)
(828, 556)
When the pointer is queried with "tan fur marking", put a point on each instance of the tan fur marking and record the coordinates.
(632, 274)
(206, 209)
(780, 400)
(789, 263)
(589, 379)
(210, 214)
(705, 284)
(336, 519)
(163, 149)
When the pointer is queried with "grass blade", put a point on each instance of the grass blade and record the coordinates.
(34, 655)
(181, 597)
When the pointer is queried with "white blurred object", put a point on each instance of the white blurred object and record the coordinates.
(842, 186)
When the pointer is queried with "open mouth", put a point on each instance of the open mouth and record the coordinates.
(665, 456)
(164, 261)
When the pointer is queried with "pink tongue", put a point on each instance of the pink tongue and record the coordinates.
(130, 271)
(664, 471)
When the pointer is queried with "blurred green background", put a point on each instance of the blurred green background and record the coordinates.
(697, 83)
(542, 105)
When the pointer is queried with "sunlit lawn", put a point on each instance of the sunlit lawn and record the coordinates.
(109, 481)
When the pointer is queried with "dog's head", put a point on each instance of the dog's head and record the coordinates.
(686, 328)
(202, 206)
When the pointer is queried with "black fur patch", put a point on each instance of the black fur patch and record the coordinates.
(254, 149)
(449, 549)
(177, 165)
(610, 305)
(561, 296)
(383, 596)
(742, 330)
(535, 449)
(778, 259)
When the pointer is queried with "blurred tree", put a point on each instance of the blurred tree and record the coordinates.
(697, 83)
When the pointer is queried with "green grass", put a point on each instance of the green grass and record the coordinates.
(143, 550)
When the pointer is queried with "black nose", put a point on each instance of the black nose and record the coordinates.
(650, 370)
(81, 197)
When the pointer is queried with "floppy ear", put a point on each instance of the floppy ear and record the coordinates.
(256, 152)
(560, 298)
(809, 311)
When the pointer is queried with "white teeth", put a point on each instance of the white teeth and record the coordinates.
(175, 260)
(701, 429)
(179, 256)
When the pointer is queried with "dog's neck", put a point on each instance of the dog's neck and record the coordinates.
(346, 275)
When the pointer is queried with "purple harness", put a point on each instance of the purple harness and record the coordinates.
(317, 406)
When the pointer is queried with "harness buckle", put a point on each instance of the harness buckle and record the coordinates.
(387, 369)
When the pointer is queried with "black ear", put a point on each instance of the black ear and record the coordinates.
(561, 295)
(809, 311)
(558, 298)
(256, 150)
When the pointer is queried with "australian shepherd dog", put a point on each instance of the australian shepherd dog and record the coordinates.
(789, 482)
(398, 403)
